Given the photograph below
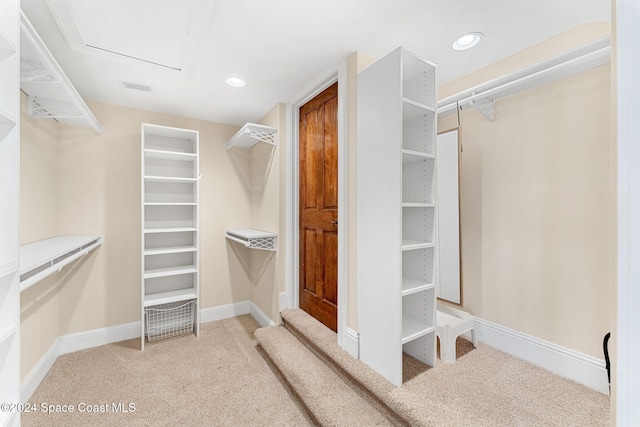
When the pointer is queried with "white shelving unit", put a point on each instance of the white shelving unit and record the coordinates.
(396, 208)
(46, 257)
(250, 134)
(9, 209)
(170, 228)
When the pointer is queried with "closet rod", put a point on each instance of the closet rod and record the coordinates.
(581, 59)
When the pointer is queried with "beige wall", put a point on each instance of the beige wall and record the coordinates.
(96, 180)
(537, 211)
(268, 186)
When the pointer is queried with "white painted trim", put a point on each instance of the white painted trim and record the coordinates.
(38, 372)
(224, 311)
(97, 337)
(626, 371)
(562, 361)
(282, 301)
(343, 162)
(260, 315)
(351, 342)
(292, 202)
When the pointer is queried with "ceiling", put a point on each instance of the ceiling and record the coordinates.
(181, 51)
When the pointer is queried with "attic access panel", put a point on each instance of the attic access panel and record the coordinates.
(166, 33)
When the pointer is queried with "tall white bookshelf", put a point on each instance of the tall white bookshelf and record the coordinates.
(9, 209)
(170, 232)
(396, 211)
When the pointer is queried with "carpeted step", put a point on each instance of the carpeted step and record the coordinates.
(330, 398)
(414, 409)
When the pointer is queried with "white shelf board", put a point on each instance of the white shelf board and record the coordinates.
(169, 230)
(412, 286)
(7, 48)
(51, 255)
(413, 329)
(170, 250)
(149, 178)
(54, 84)
(168, 297)
(410, 244)
(418, 205)
(409, 156)
(6, 332)
(169, 155)
(254, 239)
(170, 204)
(8, 267)
(412, 109)
(170, 271)
(249, 233)
(250, 134)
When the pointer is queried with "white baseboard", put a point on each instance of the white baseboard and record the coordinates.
(260, 316)
(352, 342)
(282, 301)
(88, 339)
(224, 311)
(562, 361)
(38, 372)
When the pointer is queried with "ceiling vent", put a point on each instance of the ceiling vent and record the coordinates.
(161, 33)
(137, 86)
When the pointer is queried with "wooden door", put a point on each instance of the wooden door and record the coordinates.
(319, 207)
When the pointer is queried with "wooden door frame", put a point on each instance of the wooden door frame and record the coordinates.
(293, 196)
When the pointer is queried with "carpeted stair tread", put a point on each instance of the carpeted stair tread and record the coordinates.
(414, 409)
(330, 398)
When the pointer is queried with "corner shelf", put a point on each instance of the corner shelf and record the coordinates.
(254, 239)
(250, 134)
(46, 257)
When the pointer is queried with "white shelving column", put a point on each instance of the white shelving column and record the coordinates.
(170, 232)
(396, 203)
(9, 209)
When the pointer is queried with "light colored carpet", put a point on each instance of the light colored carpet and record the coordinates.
(220, 379)
(217, 379)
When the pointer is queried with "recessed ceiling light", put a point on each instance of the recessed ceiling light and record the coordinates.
(467, 41)
(235, 82)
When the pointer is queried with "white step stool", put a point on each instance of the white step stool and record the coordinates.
(450, 324)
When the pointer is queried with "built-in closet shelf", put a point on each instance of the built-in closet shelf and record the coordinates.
(51, 94)
(412, 109)
(169, 230)
(168, 179)
(6, 332)
(7, 122)
(412, 329)
(45, 257)
(254, 239)
(410, 244)
(418, 205)
(6, 47)
(169, 204)
(409, 156)
(250, 134)
(169, 297)
(7, 268)
(151, 153)
(170, 250)
(170, 271)
(412, 286)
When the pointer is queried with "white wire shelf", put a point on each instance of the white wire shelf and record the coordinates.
(250, 134)
(44, 108)
(254, 239)
(46, 257)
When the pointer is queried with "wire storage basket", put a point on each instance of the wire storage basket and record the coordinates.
(168, 320)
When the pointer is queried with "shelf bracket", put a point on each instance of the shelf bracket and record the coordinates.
(486, 107)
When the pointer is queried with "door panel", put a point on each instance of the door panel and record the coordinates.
(319, 207)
